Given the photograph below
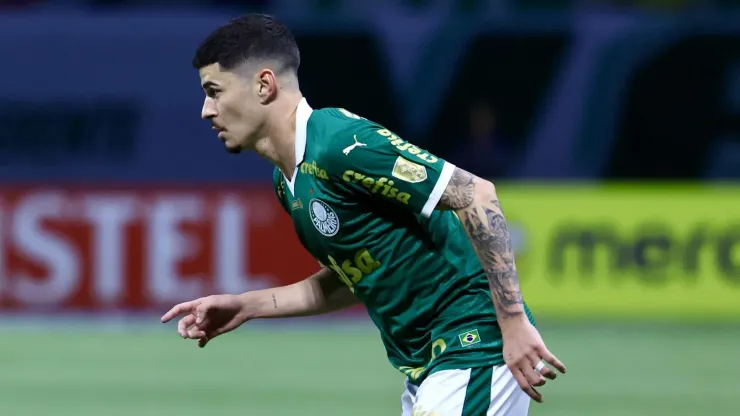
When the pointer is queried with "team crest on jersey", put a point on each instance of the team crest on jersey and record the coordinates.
(409, 171)
(323, 217)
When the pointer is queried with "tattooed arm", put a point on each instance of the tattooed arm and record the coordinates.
(475, 202)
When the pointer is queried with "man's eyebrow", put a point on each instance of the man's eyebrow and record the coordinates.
(209, 84)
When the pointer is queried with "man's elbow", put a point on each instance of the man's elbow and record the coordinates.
(485, 191)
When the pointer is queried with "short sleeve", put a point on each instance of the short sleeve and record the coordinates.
(370, 160)
(279, 186)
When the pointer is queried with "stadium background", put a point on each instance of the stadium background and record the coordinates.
(611, 128)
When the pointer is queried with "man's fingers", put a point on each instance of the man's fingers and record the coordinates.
(196, 333)
(205, 336)
(177, 310)
(552, 360)
(529, 368)
(533, 393)
(524, 383)
(184, 324)
(519, 377)
(533, 377)
(200, 313)
(547, 373)
(203, 342)
(540, 382)
(527, 388)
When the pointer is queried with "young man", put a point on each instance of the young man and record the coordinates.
(421, 243)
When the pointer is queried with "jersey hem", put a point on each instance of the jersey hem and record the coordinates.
(457, 365)
(439, 189)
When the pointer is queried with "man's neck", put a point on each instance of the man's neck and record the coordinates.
(278, 142)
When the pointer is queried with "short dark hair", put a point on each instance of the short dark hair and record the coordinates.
(251, 36)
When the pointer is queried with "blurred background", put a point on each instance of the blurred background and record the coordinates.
(612, 129)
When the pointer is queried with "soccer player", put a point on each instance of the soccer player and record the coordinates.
(421, 243)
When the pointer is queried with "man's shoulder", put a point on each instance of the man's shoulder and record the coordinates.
(332, 122)
(340, 132)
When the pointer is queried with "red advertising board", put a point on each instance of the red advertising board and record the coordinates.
(126, 249)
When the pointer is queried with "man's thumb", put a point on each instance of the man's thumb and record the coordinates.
(200, 313)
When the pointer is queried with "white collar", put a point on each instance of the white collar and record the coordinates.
(303, 113)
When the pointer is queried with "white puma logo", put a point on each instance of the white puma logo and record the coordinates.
(352, 146)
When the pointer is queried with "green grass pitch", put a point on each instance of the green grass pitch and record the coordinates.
(339, 370)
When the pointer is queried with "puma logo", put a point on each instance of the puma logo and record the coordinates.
(352, 146)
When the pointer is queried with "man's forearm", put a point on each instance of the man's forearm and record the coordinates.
(476, 204)
(485, 225)
(318, 294)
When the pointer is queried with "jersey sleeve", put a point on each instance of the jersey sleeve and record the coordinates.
(367, 159)
(278, 186)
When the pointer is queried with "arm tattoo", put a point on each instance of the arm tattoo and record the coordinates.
(486, 227)
(274, 301)
(459, 192)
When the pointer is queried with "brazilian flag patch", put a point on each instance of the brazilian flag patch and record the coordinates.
(469, 338)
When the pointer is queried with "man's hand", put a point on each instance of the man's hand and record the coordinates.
(523, 351)
(209, 317)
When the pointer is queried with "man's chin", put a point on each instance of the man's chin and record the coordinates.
(232, 148)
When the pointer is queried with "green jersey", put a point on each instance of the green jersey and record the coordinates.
(363, 204)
